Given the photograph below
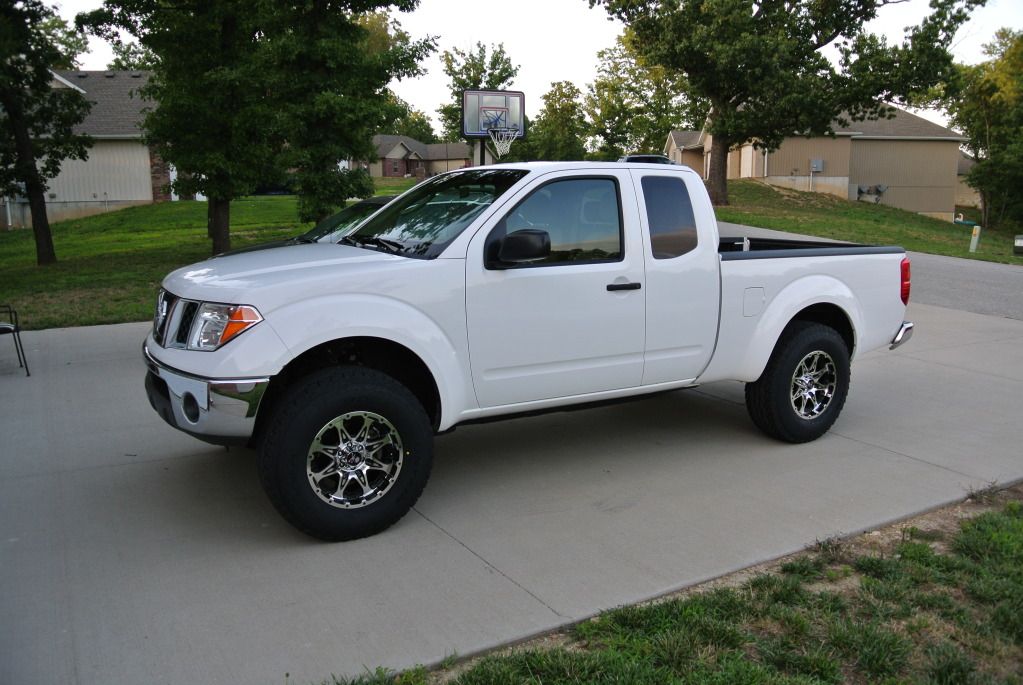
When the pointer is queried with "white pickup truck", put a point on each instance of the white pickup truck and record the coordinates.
(496, 291)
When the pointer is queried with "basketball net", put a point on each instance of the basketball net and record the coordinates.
(502, 138)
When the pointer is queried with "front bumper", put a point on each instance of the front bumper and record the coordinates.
(222, 412)
(904, 334)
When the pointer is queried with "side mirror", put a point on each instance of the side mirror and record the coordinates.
(524, 246)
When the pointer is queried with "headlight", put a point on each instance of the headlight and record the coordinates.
(215, 324)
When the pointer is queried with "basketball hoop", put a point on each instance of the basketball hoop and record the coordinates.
(503, 138)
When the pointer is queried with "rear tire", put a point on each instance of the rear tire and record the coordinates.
(347, 453)
(804, 386)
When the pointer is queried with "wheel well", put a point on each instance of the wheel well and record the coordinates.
(832, 316)
(380, 354)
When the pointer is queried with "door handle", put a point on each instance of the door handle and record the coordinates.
(612, 287)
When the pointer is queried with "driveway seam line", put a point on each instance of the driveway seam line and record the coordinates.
(907, 456)
(490, 565)
(962, 368)
(956, 346)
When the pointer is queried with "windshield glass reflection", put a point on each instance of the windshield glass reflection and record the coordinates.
(426, 219)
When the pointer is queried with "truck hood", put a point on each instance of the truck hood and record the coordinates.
(250, 277)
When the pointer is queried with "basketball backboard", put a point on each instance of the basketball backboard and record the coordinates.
(484, 110)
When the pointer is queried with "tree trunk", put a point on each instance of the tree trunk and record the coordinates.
(219, 214)
(717, 175)
(25, 168)
(45, 253)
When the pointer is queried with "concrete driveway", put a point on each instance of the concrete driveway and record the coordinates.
(132, 553)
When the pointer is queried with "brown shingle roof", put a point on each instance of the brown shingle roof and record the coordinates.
(117, 109)
(683, 139)
(448, 151)
(386, 143)
(902, 125)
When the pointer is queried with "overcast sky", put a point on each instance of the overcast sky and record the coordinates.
(558, 40)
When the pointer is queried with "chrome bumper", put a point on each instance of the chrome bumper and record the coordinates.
(904, 334)
(219, 411)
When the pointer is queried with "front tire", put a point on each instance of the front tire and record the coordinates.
(347, 453)
(804, 386)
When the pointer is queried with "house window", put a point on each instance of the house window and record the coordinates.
(669, 213)
(394, 166)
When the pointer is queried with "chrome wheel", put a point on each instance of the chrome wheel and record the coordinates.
(354, 459)
(813, 385)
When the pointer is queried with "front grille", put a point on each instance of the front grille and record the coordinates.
(165, 302)
(173, 320)
(188, 309)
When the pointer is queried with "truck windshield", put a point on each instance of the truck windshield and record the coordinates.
(423, 222)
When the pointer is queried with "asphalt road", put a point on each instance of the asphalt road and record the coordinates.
(131, 553)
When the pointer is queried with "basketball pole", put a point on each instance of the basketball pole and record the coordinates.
(483, 151)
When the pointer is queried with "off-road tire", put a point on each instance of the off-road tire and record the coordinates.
(301, 415)
(769, 400)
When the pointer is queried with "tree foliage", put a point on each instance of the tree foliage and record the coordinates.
(631, 106)
(130, 56)
(329, 72)
(559, 131)
(985, 102)
(209, 117)
(244, 91)
(70, 42)
(411, 122)
(37, 120)
(762, 70)
(478, 68)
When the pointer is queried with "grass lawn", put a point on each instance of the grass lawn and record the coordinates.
(938, 603)
(757, 204)
(111, 265)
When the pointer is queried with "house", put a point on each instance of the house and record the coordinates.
(906, 162)
(400, 156)
(966, 196)
(120, 170)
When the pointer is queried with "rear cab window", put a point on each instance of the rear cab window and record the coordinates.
(669, 212)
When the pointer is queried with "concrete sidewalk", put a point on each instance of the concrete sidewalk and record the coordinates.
(132, 553)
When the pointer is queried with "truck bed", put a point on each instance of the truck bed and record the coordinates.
(737, 248)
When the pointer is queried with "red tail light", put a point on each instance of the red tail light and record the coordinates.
(905, 280)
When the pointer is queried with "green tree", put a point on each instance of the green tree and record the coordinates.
(559, 131)
(69, 41)
(329, 69)
(243, 91)
(410, 122)
(37, 120)
(761, 69)
(211, 117)
(129, 56)
(985, 102)
(633, 106)
(469, 70)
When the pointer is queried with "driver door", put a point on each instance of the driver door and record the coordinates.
(573, 322)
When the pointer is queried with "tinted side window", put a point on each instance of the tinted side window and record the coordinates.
(582, 216)
(669, 212)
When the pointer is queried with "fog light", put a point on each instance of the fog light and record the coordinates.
(190, 406)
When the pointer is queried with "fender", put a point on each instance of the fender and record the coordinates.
(746, 343)
(300, 326)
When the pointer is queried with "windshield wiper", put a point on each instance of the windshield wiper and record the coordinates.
(392, 246)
